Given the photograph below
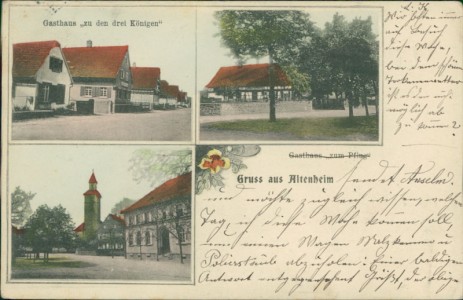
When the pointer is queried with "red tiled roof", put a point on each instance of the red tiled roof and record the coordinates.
(172, 90)
(117, 218)
(95, 62)
(80, 228)
(247, 76)
(145, 77)
(92, 192)
(29, 57)
(173, 188)
(92, 178)
(182, 96)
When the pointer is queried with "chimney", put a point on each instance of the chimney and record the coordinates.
(89, 43)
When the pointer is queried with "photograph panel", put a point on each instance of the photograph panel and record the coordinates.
(101, 73)
(306, 74)
(100, 213)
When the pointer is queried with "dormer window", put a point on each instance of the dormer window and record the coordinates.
(56, 64)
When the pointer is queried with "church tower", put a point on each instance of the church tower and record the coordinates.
(92, 208)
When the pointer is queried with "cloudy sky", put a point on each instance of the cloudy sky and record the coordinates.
(60, 174)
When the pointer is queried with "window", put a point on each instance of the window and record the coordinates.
(130, 239)
(147, 217)
(148, 238)
(56, 64)
(88, 91)
(140, 219)
(139, 238)
(179, 211)
(104, 92)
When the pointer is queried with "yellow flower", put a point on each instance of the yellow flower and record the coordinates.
(214, 161)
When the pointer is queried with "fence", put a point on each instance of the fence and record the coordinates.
(234, 108)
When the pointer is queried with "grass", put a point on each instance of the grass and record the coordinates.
(22, 263)
(336, 127)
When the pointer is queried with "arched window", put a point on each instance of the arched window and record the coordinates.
(148, 238)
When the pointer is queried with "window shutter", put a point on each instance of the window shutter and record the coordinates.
(82, 90)
(94, 91)
(109, 92)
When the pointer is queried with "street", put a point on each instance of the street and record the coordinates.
(170, 125)
(105, 267)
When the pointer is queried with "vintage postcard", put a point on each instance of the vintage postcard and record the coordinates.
(232, 150)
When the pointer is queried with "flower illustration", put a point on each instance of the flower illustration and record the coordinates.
(214, 161)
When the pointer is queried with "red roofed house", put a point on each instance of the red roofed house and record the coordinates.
(111, 236)
(102, 78)
(41, 77)
(145, 86)
(169, 94)
(159, 224)
(183, 99)
(249, 83)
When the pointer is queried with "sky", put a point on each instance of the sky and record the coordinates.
(60, 174)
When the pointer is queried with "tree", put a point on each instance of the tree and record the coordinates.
(276, 34)
(125, 202)
(20, 206)
(49, 228)
(154, 166)
(351, 55)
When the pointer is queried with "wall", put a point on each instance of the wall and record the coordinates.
(241, 108)
(22, 92)
(44, 74)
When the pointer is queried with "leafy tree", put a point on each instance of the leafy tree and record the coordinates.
(49, 228)
(351, 54)
(126, 202)
(155, 166)
(20, 206)
(276, 34)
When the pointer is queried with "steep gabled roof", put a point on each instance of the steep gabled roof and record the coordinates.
(182, 96)
(145, 77)
(177, 187)
(117, 218)
(256, 75)
(95, 62)
(29, 57)
(92, 178)
(172, 90)
(80, 228)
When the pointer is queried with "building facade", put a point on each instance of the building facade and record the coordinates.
(145, 86)
(110, 235)
(249, 83)
(159, 224)
(41, 76)
(102, 78)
